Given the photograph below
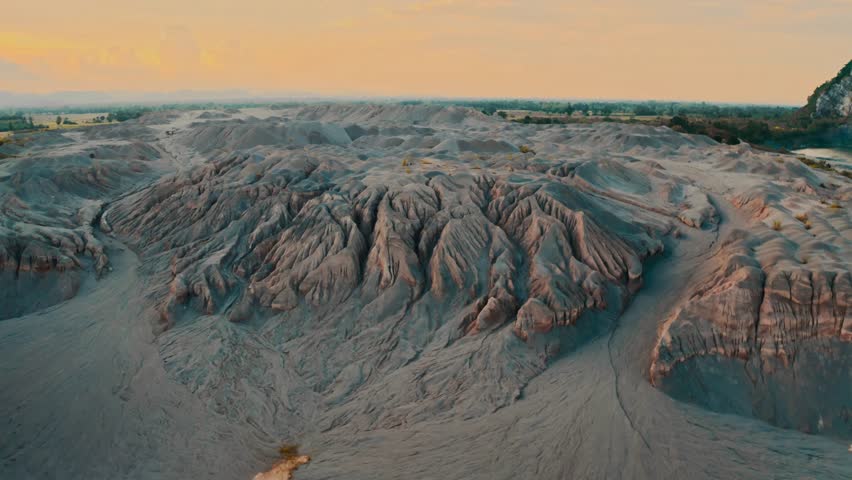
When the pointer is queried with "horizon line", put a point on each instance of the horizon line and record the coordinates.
(244, 96)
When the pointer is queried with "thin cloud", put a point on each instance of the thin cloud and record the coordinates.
(13, 71)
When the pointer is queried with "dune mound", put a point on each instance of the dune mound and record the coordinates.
(392, 114)
(212, 115)
(241, 134)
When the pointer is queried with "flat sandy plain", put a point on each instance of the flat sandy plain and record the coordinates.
(419, 292)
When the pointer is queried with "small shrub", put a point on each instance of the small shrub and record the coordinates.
(808, 225)
(525, 149)
(776, 225)
(288, 451)
(802, 217)
(817, 164)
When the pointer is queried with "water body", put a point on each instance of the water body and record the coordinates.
(839, 157)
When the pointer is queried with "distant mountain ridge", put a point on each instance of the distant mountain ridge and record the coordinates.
(833, 98)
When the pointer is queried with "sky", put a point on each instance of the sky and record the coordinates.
(769, 51)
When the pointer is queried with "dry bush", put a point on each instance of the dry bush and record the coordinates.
(288, 451)
(776, 225)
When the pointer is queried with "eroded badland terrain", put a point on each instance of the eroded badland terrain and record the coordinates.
(419, 292)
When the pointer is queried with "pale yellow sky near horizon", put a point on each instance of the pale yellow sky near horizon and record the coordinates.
(774, 51)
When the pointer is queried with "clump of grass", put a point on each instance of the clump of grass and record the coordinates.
(825, 166)
(803, 217)
(835, 205)
(776, 225)
(407, 169)
(525, 149)
(406, 161)
(817, 164)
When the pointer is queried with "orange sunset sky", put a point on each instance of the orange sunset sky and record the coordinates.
(774, 51)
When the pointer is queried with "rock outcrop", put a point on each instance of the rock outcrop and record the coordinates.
(833, 98)
(281, 230)
(771, 297)
(743, 309)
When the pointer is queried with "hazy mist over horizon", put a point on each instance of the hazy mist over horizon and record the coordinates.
(117, 98)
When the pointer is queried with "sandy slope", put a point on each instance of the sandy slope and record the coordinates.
(419, 292)
(91, 398)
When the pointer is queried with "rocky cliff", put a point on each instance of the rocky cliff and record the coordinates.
(833, 98)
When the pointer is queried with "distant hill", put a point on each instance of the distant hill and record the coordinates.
(832, 99)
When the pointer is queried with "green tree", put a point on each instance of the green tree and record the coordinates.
(58, 120)
(644, 110)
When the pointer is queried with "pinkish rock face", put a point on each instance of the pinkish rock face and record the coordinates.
(776, 299)
(534, 317)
